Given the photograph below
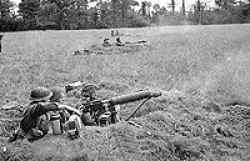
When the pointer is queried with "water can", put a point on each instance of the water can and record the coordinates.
(56, 124)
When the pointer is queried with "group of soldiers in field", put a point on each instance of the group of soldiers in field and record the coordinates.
(46, 113)
(118, 42)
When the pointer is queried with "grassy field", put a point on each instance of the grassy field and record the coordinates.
(203, 69)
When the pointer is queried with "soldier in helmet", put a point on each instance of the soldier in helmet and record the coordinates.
(92, 117)
(69, 120)
(106, 43)
(119, 42)
(87, 95)
(57, 96)
(34, 124)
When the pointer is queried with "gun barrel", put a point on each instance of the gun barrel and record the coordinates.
(133, 97)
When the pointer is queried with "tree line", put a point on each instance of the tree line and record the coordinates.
(87, 14)
(225, 12)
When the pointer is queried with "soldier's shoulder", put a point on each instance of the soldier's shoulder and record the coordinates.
(42, 105)
(46, 103)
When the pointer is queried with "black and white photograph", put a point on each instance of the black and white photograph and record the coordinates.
(124, 80)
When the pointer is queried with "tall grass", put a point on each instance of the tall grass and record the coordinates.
(179, 57)
(203, 63)
(229, 81)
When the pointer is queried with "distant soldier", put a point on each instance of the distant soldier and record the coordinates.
(119, 42)
(1, 36)
(35, 122)
(116, 33)
(112, 33)
(106, 43)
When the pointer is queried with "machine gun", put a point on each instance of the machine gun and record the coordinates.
(104, 111)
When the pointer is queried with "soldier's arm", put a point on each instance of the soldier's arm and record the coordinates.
(66, 107)
(43, 108)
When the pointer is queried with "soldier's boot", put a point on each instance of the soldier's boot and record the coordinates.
(34, 134)
(16, 135)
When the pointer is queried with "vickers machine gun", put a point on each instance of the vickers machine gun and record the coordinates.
(104, 112)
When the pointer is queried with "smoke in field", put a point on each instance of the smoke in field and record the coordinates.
(173, 20)
(228, 82)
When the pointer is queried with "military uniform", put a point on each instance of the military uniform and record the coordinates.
(88, 117)
(87, 95)
(70, 123)
(34, 124)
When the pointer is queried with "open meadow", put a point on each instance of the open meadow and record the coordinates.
(203, 71)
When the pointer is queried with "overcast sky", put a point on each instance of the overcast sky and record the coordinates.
(165, 2)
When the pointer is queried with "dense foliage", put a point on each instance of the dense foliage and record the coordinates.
(226, 12)
(86, 14)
